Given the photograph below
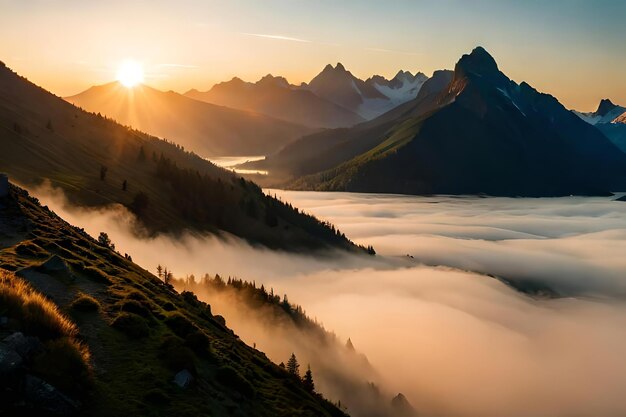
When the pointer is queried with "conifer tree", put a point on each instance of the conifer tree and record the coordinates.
(309, 385)
(293, 367)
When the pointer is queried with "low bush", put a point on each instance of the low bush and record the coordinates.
(198, 342)
(64, 363)
(86, 303)
(97, 275)
(230, 377)
(180, 325)
(156, 396)
(36, 314)
(134, 306)
(176, 356)
(132, 325)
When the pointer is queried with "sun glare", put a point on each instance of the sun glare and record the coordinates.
(130, 73)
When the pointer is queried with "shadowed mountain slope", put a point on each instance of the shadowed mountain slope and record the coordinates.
(204, 128)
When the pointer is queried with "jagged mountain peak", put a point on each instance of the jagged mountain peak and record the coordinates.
(478, 62)
(269, 79)
(605, 106)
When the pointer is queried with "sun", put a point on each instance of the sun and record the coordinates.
(130, 73)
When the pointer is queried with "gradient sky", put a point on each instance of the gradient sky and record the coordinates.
(572, 49)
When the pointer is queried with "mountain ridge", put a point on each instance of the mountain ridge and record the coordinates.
(207, 129)
(513, 140)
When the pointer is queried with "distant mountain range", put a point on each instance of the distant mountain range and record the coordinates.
(610, 119)
(334, 98)
(274, 96)
(207, 129)
(98, 163)
(472, 131)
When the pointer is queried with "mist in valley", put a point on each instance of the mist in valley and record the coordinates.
(433, 325)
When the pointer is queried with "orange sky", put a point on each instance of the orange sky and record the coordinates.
(574, 52)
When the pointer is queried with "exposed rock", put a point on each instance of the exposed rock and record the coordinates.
(402, 407)
(44, 396)
(183, 379)
(22, 345)
(10, 360)
(55, 264)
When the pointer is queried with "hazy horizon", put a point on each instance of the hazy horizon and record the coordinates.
(572, 50)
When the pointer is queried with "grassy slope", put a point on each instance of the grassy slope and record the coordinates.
(339, 178)
(133, 375)
(44, 137)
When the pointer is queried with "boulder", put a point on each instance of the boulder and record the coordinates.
(24, 346)
(183, 379)
(39, 394)
(55, 264)
(10, 361)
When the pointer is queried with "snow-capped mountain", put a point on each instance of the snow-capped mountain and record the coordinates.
(369, 98)
(610, 119)
(607, 112)
(401, 88)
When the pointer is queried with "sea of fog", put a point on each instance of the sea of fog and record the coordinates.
(427, 311)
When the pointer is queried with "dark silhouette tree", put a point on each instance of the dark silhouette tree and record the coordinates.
(307, 380)
(293, 367)
(124, 185)
(105, 241)
(160, 271)
(140, 204)
(142, 154)
(103, 172)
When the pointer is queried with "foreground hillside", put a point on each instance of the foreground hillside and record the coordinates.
(207, 129)
(87, 332)
(481, 133)
(281, 328)
(97, 162)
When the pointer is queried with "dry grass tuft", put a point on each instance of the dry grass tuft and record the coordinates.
(37, 315)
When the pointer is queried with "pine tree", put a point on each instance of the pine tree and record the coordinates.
(142, 154)
(293, 367)
(307, 381)
(103, 172)
(160, 271)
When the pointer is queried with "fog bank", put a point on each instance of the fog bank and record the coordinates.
(455, 342)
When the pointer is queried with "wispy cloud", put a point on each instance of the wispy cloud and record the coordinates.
(277, 37)
(393, 51)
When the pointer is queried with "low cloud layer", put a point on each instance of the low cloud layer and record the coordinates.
(454, 341)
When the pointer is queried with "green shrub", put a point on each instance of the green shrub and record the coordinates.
(230, 377)
(97, 275)
(132, 325)
(168, 306)
(134, 306)
(156, 396)
(64, 364)
(198, 342)
(87, 303)
(30, 249)
(180, 325)
(176, 356)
